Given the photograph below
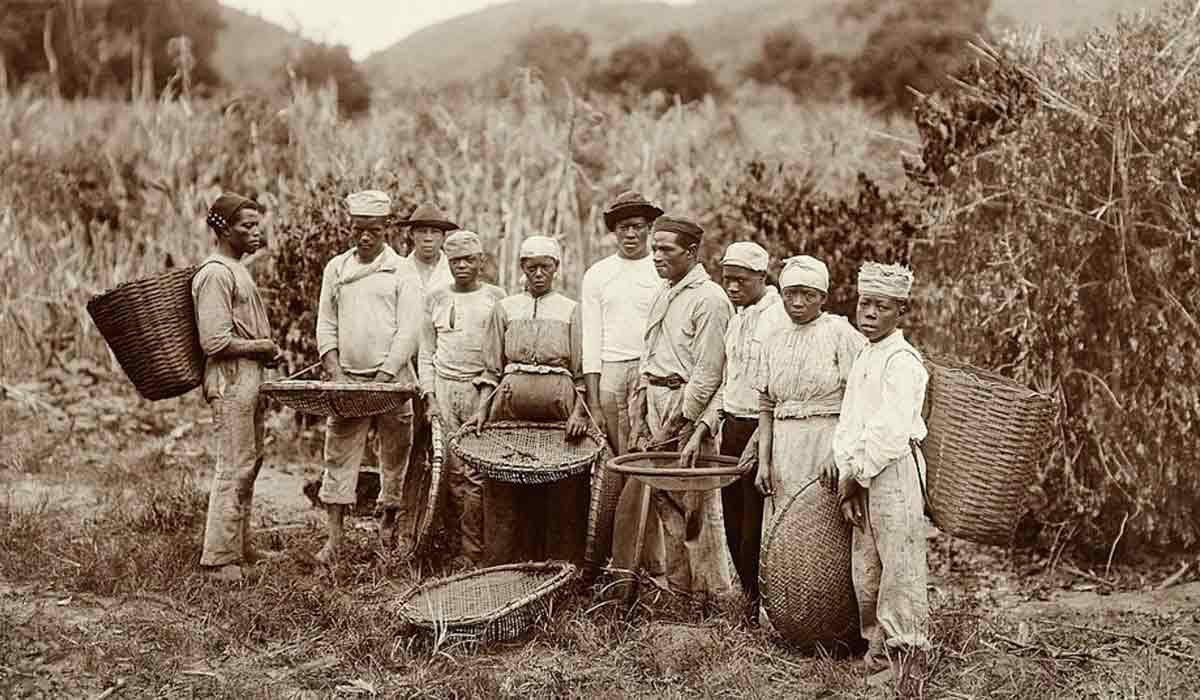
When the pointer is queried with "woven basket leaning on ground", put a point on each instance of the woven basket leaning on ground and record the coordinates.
(986, 435)
(486, 605)
(150, 326)
(527, 452)
(807, 590)
(661, 471)
(339, 399)
(425, 490)
(602, 508)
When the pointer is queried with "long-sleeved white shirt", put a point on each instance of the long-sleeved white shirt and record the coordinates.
(615, 298)
(370, 313)
(748, 331)
(432, 276)
(881, 409)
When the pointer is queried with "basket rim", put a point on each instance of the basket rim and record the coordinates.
(624, 465)
(480, 462)
(565, 572)
(100, 300)
(977, 373)
(297, 385)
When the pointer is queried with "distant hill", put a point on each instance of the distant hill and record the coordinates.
(726, 34)
(251, 51)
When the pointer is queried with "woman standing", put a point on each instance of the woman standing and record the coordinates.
(804, 371)
(533, 370)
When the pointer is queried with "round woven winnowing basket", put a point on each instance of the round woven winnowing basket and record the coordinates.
(661, 470)
(527, 452)
(807, 591)
(986, 435)
(486, 605)
(150, 326)
(338, 399)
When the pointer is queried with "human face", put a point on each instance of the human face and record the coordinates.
(465, 270)
(672, 259)
(878, 315)
(427, 243)
(632, 235)
(803, 304)
(368, 236)
(744, 286)
(540, 272)
(245, 236)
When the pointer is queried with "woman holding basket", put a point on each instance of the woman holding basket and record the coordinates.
(533, 371)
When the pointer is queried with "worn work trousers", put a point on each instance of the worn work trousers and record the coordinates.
(742, 508)
(345, 442)
(457, 401)
(543, 521)
(238, 441)
(888, 561)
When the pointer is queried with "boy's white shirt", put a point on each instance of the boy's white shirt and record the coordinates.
(881, 409)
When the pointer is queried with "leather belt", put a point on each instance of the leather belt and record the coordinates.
(672, 382)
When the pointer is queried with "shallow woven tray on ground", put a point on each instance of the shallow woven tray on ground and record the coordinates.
(150, 325)
(807, 590)
(493, 604)
(986, 436)
(661, 470)
(338, 399)
(527, 452)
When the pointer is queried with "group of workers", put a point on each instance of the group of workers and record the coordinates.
(654, 356)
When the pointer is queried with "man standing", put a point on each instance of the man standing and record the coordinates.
(616, 296)
(682, 365)
(368, 327)
(427, 228)
(734, 414)
(455, 320)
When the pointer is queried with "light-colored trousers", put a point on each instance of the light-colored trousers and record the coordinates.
(345, 442)
(457, 400)
(238, 440)
(888, 561)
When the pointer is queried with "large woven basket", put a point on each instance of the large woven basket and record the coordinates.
(150, 326)
(339, 399)
(527, 452)
(661, 470)
(986, 435)
(606, 489)
(487, 605)
(807, 590)
(424, 490)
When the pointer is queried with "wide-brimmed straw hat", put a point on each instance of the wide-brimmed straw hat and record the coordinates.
(629, 204)
(429, 215)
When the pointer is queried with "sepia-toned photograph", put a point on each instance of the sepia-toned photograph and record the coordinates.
(453, 349)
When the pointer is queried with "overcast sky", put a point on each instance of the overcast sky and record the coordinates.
(363, 25)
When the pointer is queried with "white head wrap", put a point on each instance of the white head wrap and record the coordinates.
(540, 246)
(747, 254)
(885, 280)
(804, 271)
(462, 243)
(369, 203)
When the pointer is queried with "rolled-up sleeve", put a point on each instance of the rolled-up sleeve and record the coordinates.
(710, 318)
(212, 292)
(327, 320)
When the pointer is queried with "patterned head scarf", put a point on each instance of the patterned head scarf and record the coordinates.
(223, 211)
(893, 281)
(462, 243)
(804, 271)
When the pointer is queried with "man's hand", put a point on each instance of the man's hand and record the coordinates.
(853, 502)
(829, 476)
(577, 424)
(691, 451)
(474, 423)
(431, 407)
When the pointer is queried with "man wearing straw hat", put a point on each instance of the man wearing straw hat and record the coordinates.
(682, 365)
(455, 320)
(734, 413)
(880, 477)
(235, 336)
(368, 329)
(615, 301)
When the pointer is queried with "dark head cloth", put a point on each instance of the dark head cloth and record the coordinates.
(429, 215)
(629, 204)
(683, 227)
(224, 210)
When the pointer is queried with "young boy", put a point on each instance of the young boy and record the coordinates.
(236, 339)
(879, 490)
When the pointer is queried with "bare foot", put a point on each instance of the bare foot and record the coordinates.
(327, 555)
(229, 573)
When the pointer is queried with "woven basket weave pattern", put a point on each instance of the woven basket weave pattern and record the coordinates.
(526, 452)
(602, 507)
(150, 325)
(807, 588)
(489, 605)
(423, 531)
(338, 399)
(986, 434)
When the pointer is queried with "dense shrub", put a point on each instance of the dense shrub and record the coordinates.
(319, 64)
(670, 66)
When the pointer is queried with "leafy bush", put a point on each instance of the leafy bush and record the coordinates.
(319, 64)
(670, 66)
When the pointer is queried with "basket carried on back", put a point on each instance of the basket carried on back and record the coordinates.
(527, 452)
(339, 399)
(807, 590)
(488, 605)
(150, 325)
(661, 470)
(986, 435)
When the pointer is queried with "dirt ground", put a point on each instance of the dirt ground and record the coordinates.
(75, 622)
